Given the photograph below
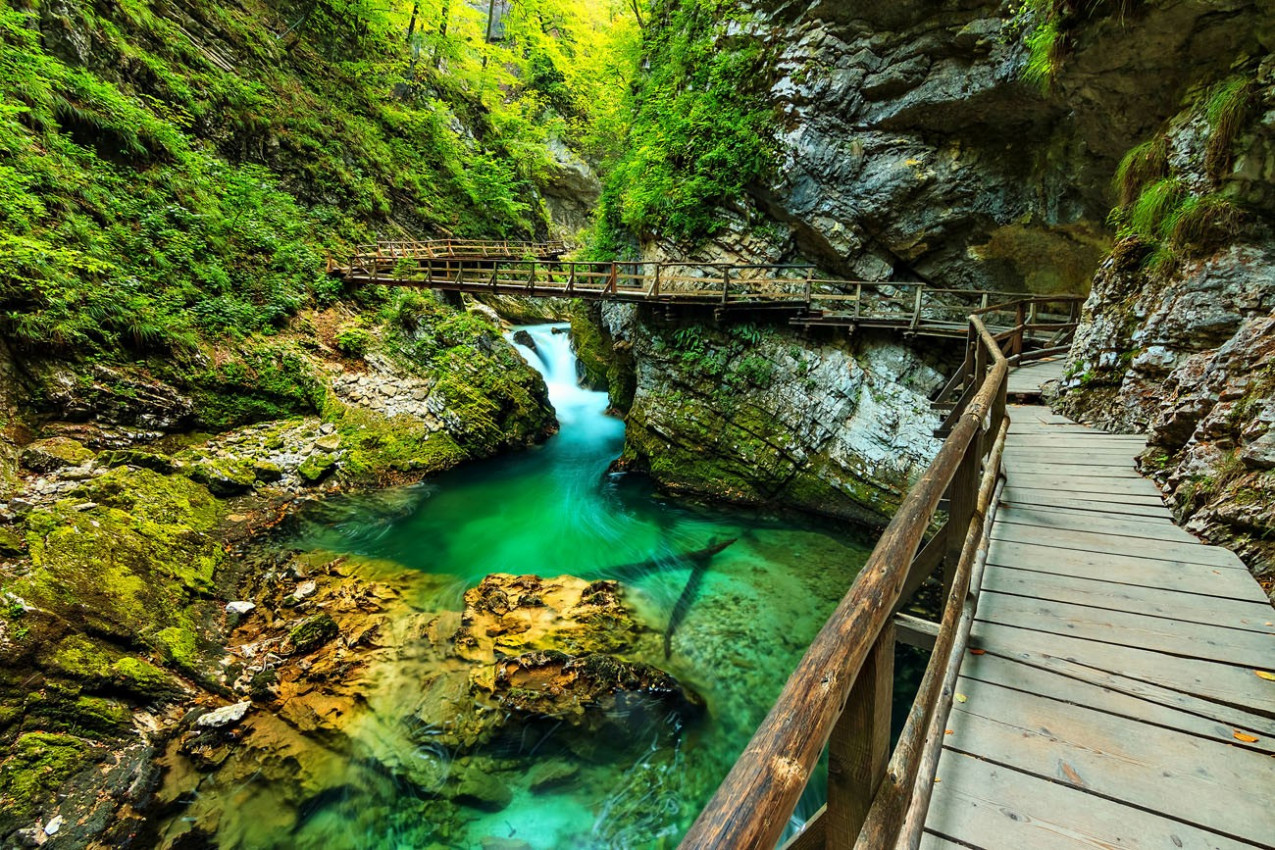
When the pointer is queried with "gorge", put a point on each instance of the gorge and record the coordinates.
(290, 560)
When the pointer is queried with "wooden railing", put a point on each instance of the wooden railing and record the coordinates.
(912, 307)
(839, 696)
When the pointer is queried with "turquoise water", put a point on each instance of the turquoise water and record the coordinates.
(556, 510)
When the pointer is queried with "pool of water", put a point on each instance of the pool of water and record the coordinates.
(556, 510)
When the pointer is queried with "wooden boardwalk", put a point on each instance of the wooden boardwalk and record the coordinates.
(1111, 695)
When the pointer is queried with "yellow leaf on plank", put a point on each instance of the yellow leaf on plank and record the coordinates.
(961, 698)
(1262, 674)
(1248, 739)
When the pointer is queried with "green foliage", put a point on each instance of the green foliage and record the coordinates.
(174, 194)
(1143, 163)
(1153, 206)
(1226, 110)
(1044, 46)
(703, 129)
(353, 341)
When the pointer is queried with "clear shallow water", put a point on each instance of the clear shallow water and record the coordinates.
(552, 511)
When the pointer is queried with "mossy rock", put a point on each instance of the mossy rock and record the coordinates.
(265, 471)
(316, 467)
(131, 567)
(312, 633)
(55, 453)
(224, 478)
(162, 464)
(81, 658)
(59, 708)
(38, 765)
(380, 449)
(10, 543)
(144, 679)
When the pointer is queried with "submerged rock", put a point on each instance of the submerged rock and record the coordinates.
(523, 338)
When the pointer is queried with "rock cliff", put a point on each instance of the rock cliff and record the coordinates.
(756, 414)
(1178, 336)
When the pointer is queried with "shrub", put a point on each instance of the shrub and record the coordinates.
(353, 341)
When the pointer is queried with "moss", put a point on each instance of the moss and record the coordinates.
(58, 708)
(179, 645)
(11, 543)
(38, 765)
(224, 477)
(312, 633)
(55, 453)
(132, 566)
(79, 657)
(143, 679)
(163, 464)
(382, 449)
(316, 467)
(264, 470)
(1226, 109)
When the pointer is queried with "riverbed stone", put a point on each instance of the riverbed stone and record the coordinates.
(479, 789)
(55, 453)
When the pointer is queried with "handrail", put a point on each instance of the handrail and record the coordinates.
(839, 694)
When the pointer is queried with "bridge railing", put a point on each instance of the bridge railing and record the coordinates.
(392, 251)
(840, 694)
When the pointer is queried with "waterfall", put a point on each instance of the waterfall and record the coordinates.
(582, 413)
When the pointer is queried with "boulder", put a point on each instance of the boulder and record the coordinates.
(55, 453)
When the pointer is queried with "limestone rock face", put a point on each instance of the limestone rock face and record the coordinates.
(1185, 349)
(759, 415)
(911, 148)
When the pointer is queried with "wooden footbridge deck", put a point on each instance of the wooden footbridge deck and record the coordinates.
(536, 270)
(1100, 678)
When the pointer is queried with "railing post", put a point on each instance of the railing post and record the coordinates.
(1020, 319)
(571, 280)
(614, 280)
(859, 748)
(725, 284)
(858, 300)
(655, 287)
(810, 275)
(962, 494)
(916, 306)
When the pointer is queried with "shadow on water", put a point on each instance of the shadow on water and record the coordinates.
(738, 596)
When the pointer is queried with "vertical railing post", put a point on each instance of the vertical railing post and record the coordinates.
(725, 284)
(613, 281)
(1020, 319)
(571, 280)
(858, 300)
(810, 277)
(859, 748)
(916, 306)
(962, 493)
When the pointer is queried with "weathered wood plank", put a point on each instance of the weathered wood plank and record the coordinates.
(1166, 604)
(1096, 523)
(1229, 685)
(1124, 569)
(1229, 716)
(1084, 507)
(1084, 483)
(1009, 673)
(1014, 490)
(1115, 544)
(999, 808)
(1210, 785)
(1045, 466)
(1072, 457)
(1171, 637)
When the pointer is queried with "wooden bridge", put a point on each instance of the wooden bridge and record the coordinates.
(535, 270)
(1099, 679)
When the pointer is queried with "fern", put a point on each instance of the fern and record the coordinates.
(1044, 46)
(1153, 205)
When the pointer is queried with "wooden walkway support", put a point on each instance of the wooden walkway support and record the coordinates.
(1099, 679)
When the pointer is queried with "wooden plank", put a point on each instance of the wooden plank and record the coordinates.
(1046, 467)
(998, 808)
(1212, 786)
(1150, 601)
(1008, 673)
(1072, 456)
(930, 841)
(1229, 716)
(1115, 544)
(1013, 490)
(1151, 512)
(1171, 637)
(1140, 572)
(1237, 686)
(1065, 483)
(1095, 522)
